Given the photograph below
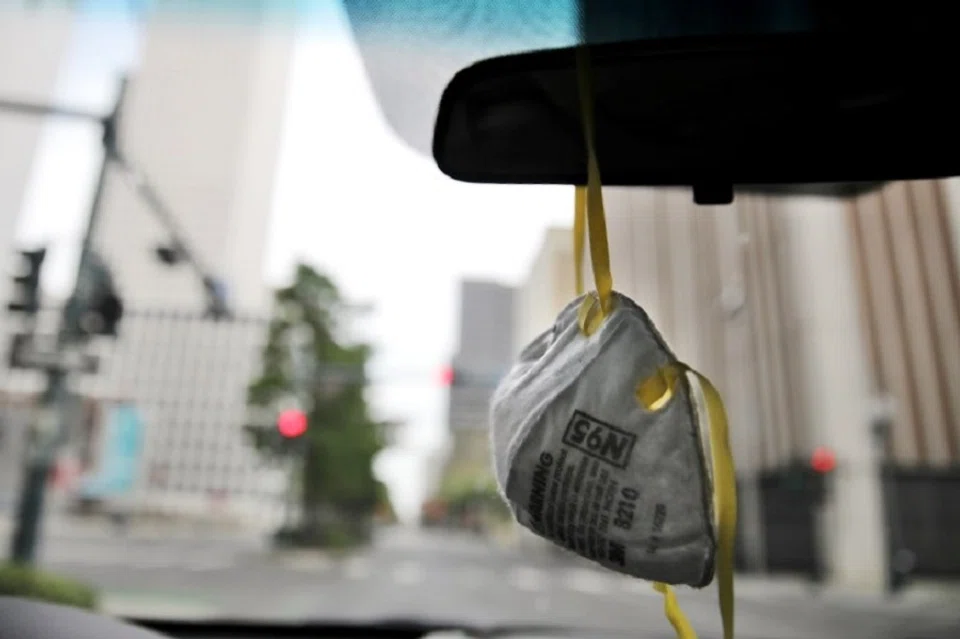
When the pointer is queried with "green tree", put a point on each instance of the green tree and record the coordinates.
(305, 357)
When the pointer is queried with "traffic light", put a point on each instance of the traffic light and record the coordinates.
(457, 377)
(218, 306)
(98, 307)
(822, 463)
(448, 376)
(104, 311)
(292, 423)
(811, 478)
(823, 460)
(109, 310)
(26, 283)
(169, 254)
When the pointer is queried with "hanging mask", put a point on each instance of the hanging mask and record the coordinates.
(597, 440)
(598, 448)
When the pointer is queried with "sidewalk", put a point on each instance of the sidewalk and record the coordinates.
(95, 528)
(922, 597)
(157, 606)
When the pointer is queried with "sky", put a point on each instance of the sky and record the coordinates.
(351, 198)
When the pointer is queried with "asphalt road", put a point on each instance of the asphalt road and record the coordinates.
(443, 577)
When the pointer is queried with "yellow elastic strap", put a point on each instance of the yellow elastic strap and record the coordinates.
(595, 217)
(579, 235)
(671, 609)
(724, 497)
(589, 216)
(654, 393)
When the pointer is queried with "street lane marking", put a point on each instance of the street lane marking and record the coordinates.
(526, 578)
(356, 568)
(209, 564)
(148, 562)
(408, 573)
(308, 563)
(542, 604)
(587, 581)
(99, 557)
(106, 562)
(142, 562)
(471, 578)
(401, 539)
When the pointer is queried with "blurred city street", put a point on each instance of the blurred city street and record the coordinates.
(442, 576)
(230, 350)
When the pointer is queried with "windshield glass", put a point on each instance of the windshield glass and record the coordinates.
(268, 398)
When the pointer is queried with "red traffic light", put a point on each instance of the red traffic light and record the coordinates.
(823, 460)
(292, 423)
(447, 376)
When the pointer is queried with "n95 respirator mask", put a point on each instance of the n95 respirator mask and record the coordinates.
(598, 447)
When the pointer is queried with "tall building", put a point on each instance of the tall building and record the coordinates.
(548, 288)
(820, 320)
(484, 352)
(202, 118)
(33, 44)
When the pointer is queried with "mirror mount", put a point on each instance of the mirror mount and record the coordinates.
(715, 193)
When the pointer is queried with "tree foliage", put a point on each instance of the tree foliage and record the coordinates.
(26, 582)
(305, 357)
(472, 489)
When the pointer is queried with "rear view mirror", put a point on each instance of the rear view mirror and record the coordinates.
(758, 113)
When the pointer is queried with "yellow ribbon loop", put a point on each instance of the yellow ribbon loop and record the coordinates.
(671, 609)
(595, 217)
(724, 498)
(579, 235)
(654, 393)
(590, 315)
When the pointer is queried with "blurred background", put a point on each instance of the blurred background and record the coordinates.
(284, 327)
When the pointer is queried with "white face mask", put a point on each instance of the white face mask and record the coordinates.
(596, 441)
(583, 462)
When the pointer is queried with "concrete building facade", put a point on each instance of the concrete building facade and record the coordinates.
(818, 319)
(548, 288)
(484, 352)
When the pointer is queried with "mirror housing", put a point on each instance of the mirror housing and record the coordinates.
(814, 114)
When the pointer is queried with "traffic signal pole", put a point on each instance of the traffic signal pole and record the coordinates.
(49, 427)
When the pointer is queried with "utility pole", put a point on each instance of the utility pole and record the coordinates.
(49, 427)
